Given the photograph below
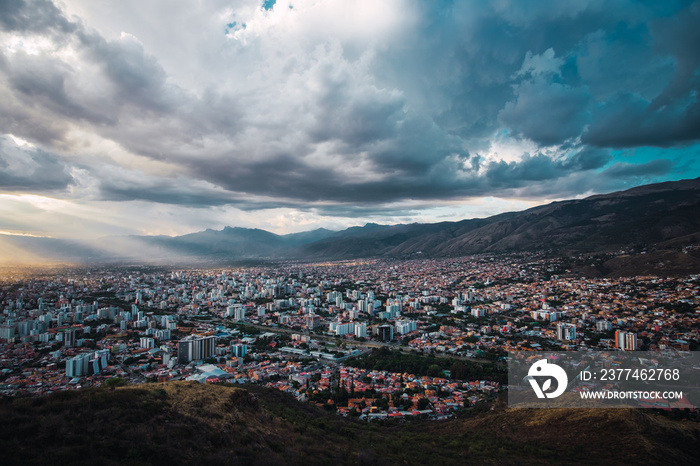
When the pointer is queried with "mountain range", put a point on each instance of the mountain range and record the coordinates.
(662, 216)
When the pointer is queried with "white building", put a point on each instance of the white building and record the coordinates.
(147, 343)
(566, 332)
(405, 326)
(347, 328)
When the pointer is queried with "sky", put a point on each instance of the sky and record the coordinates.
(160, 117)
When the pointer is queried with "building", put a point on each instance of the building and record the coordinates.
(7, 332)
(107, 313)
(236, 311)
(551, 316)
(313, 321)
(385, 332)
(405, 326)
(147, 343)
(603, 326)
(626, 341)
(79, 365)
(195, 348)
(345, 328)
(239, 349)
(69, 338)
(566, 332)
(162, 335)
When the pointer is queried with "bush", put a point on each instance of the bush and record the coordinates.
(114, 382)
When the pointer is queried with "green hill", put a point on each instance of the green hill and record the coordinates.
(189, 423)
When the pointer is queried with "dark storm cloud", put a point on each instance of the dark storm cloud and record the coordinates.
(672, 116)
(547, 113)
(282, 176)
(41, 81)
(138, 78)
(679, 36)
(44, 87)
(364, 211)
(34, 16)
(285, 177)
(163, 193)
(31, 169)
(649, 169)
(588, 159)
(412, 117)
(356, 118)
(539, 175)
(630, 121)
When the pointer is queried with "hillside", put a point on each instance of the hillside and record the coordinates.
(185, 423)
(646, 216)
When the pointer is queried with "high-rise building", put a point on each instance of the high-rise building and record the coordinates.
(239, 349)
(603, 326)
(147, 343)
(7, 332)
(626, 341)
(313, 321)
(346, 328)
(69, 338)
(405, 326)
(566, 332)
(194, 348)
(385, 332)
(79, 365)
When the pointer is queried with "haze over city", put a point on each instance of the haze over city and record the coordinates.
(149, 118)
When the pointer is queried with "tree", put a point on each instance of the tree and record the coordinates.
(459, 371)
(423, 403)
(433, 370)
(114, 382)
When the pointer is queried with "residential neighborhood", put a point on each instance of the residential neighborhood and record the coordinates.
(336, 334)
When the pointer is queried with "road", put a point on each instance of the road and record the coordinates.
(353, 343)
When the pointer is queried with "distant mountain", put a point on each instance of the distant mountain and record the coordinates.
(235, 243)
(238, 242)
(663, 216)
(306, 237)
(659, 215)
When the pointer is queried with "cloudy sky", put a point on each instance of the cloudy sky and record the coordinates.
(161, 117)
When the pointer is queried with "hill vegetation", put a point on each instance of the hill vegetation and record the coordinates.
(185, 423)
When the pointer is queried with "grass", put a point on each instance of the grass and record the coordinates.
(185, 423)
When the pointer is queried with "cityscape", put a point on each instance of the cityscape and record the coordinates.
(305, 232)
(306, 328)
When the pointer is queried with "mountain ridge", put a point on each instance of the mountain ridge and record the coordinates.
(662, 215)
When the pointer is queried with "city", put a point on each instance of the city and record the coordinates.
(305, 232)
(335, 333)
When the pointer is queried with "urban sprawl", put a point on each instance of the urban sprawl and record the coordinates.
(307, 328)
